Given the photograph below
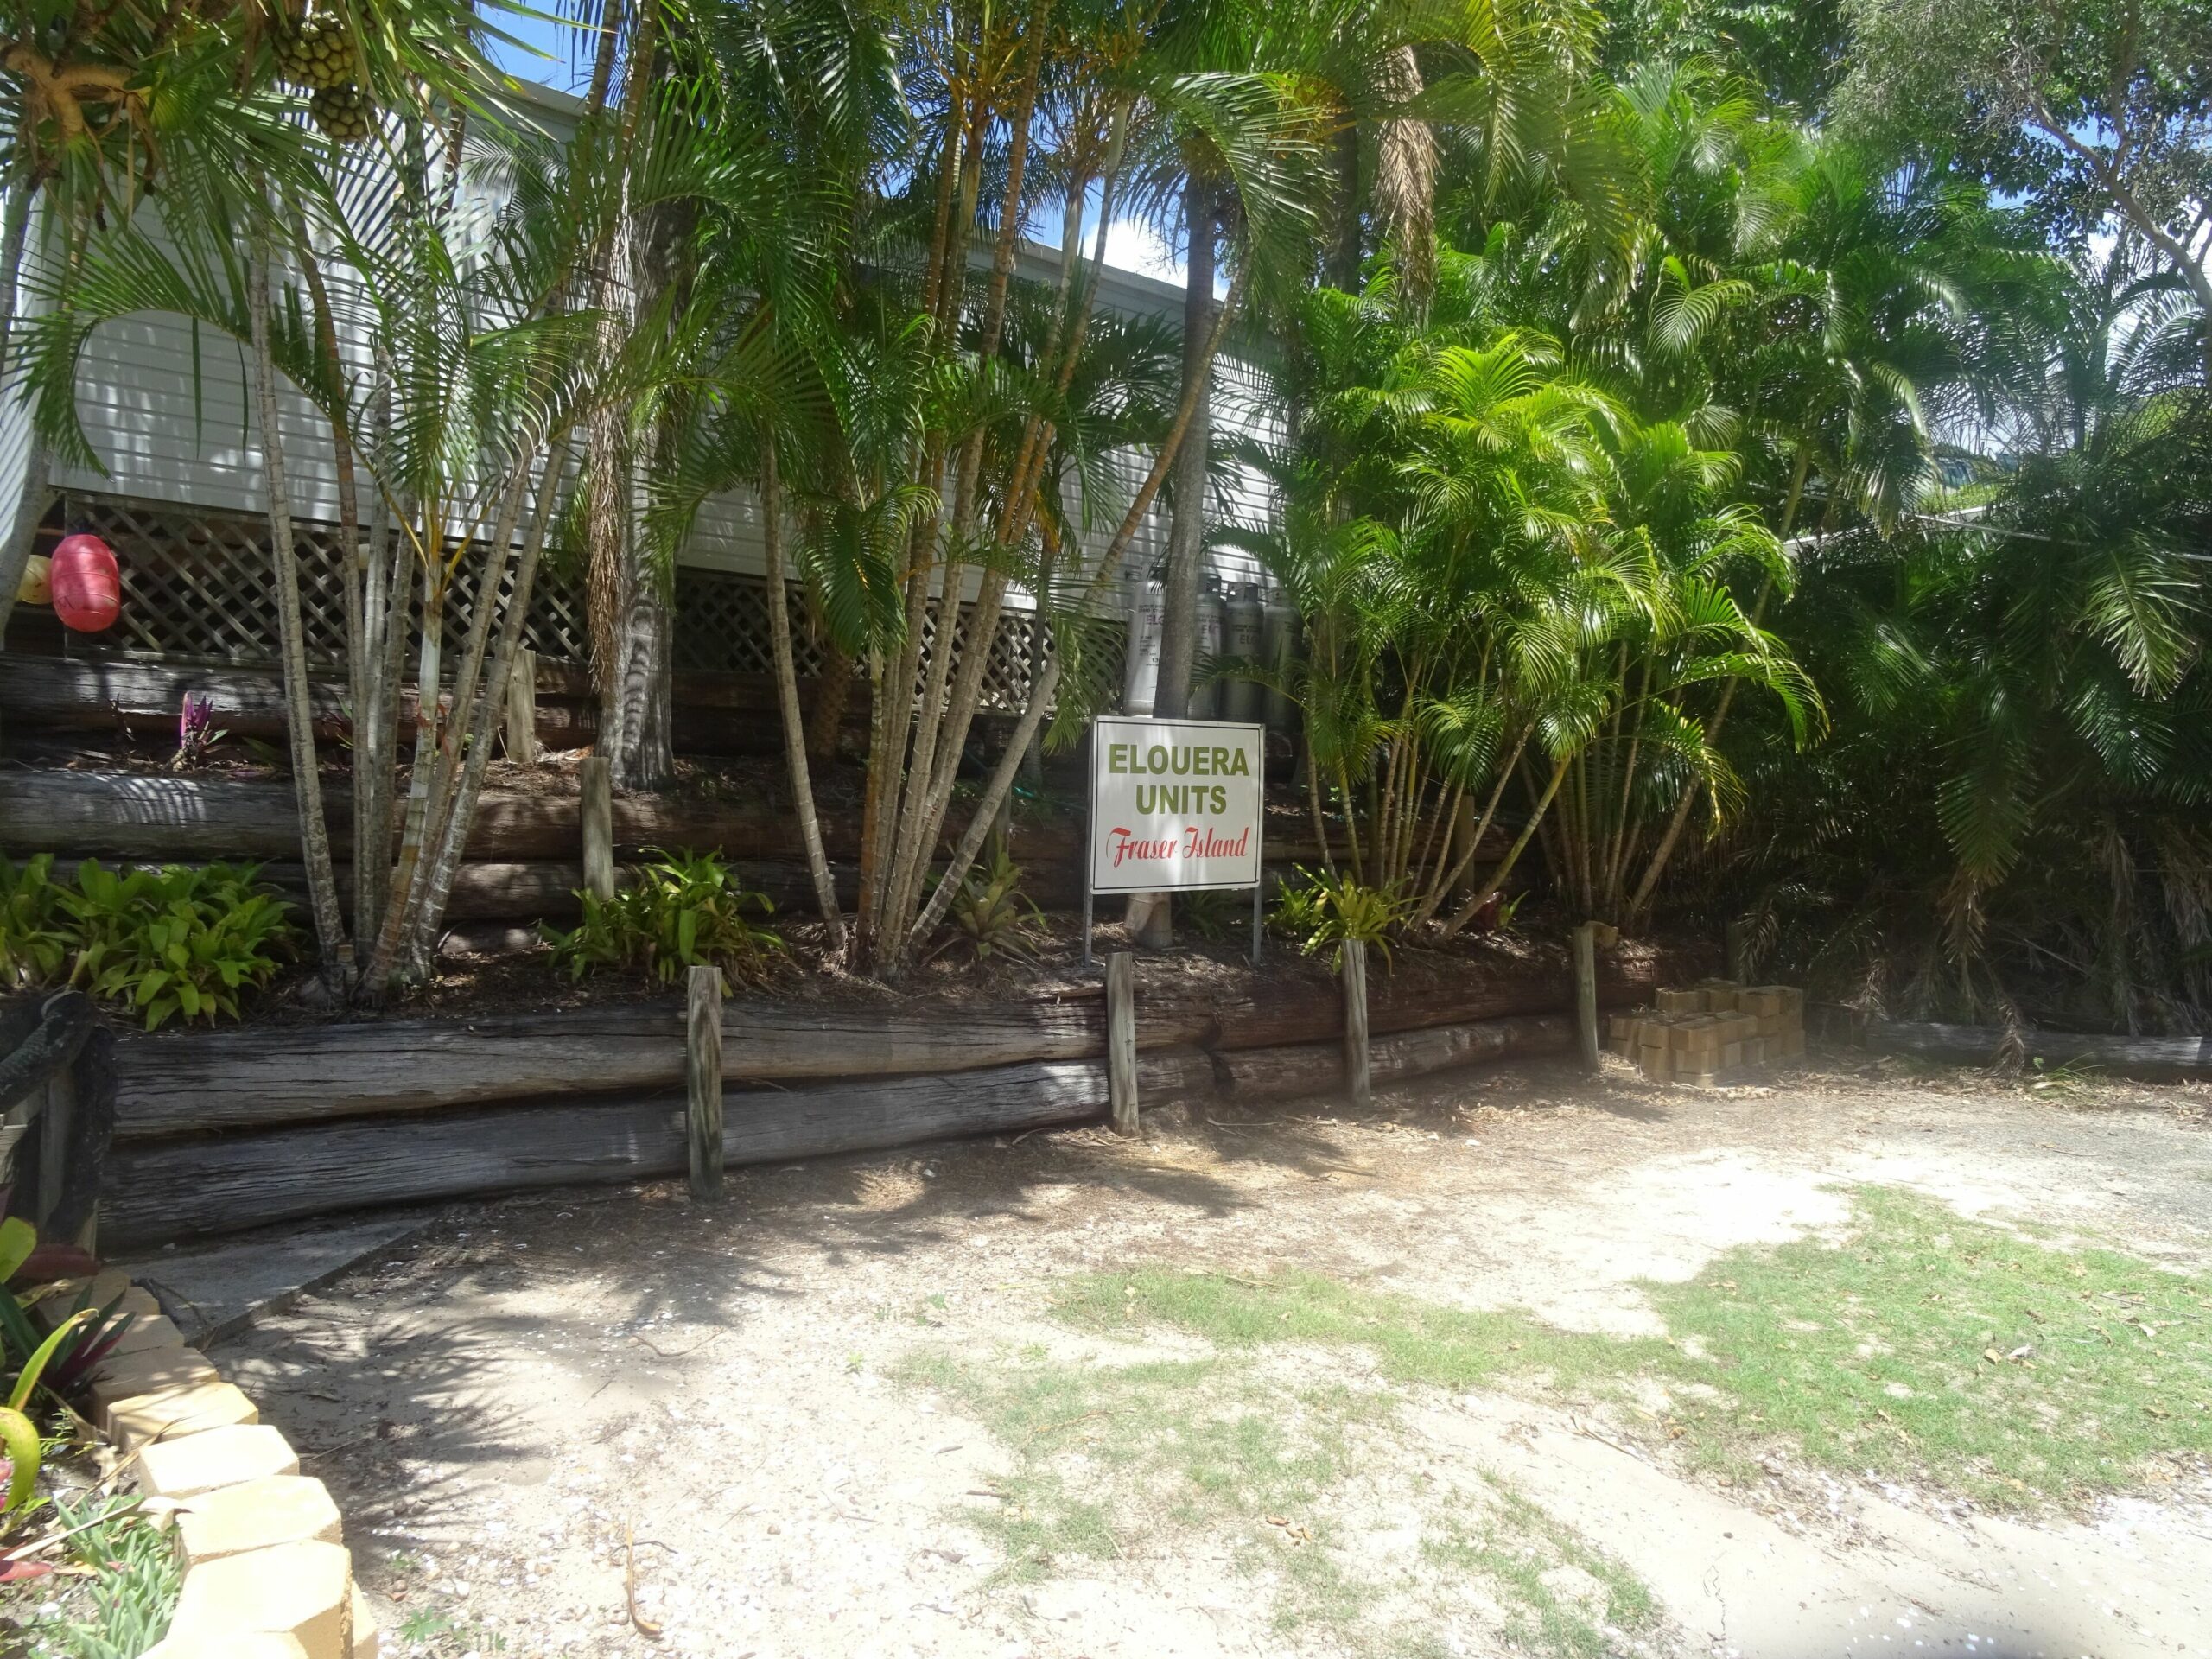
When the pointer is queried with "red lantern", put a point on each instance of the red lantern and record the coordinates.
(87, 586)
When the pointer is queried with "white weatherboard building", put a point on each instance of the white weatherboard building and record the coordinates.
(181, 501)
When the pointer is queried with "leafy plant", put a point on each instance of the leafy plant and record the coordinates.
(18, 1436)
(681, 909)
(64, 1360)
(131, 1595)
(32, 947)
(1329, 909)
(176, 940)
(990, 915)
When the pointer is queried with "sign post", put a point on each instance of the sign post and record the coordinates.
(1176, 806)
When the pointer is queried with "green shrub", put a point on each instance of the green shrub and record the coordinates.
(990, 915)
(176, 941)
(33, 943)
(682, 909)
(1324, 910)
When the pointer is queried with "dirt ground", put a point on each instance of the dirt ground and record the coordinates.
(792, 1424)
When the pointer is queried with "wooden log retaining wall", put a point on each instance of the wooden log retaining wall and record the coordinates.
(220, 1131)
(523, 861)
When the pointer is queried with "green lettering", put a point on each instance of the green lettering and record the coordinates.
(1155, 760)
(1117, 757)
(1243, 767)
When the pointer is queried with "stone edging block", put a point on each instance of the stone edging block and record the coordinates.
(267, 1574)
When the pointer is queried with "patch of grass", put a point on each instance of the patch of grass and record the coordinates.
(1518, 1549)
(1414, 1341)
(1892, 1351)
(1201, 1444)
(124, 1606)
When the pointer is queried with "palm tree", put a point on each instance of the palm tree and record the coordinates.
(1074, 96)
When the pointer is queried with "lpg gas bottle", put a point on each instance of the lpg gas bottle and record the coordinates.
(1205, 692)
(1243, 626)
(1279, 649)
(1140, 668)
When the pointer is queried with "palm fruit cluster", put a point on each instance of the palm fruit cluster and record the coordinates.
(343, 112)
(315, 52)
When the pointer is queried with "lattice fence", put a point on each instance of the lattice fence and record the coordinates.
(722, 626)
(198, 585)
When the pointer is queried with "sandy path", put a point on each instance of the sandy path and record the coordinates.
(497, 1404)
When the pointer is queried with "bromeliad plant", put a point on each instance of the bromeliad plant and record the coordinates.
(681, 909)
(990, 916)
(1325, 910)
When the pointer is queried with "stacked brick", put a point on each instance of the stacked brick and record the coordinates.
(266, 1573)
(1717, 1031)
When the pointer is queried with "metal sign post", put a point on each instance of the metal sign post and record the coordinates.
(1089, 818)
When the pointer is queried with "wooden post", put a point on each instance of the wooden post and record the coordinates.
(1122, 1040)
(56, 1120)
(1358, 1080)
(1586, 994)
(521, 735)
(1739, 950)
(703, 1071)
(598, 777)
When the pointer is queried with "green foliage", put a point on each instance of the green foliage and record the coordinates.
(679, 910)
(991, 916)
(175, 940)
(62, 1362)
(1321, 911)
(159, 941)
(123, 1605)
(34, 936)
(2010, 818)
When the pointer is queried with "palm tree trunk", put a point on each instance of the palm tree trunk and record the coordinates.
(1179, 628)
(306, 781)
(360, 660)
(476, 720)
(779, 641)
(1321, 817)
(1465, 861)
(1664, 851)
(1040, 696)
(1468, 911)
(430, 720)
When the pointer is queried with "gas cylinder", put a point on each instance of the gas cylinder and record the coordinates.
(1279, 649)
(37, 586)
(1140, 667)
(1243, 626)
(88, 586)
(1205, 692)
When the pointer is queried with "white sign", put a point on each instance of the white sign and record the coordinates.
(1174, 804)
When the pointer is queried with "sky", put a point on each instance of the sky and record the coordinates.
(548, 56)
